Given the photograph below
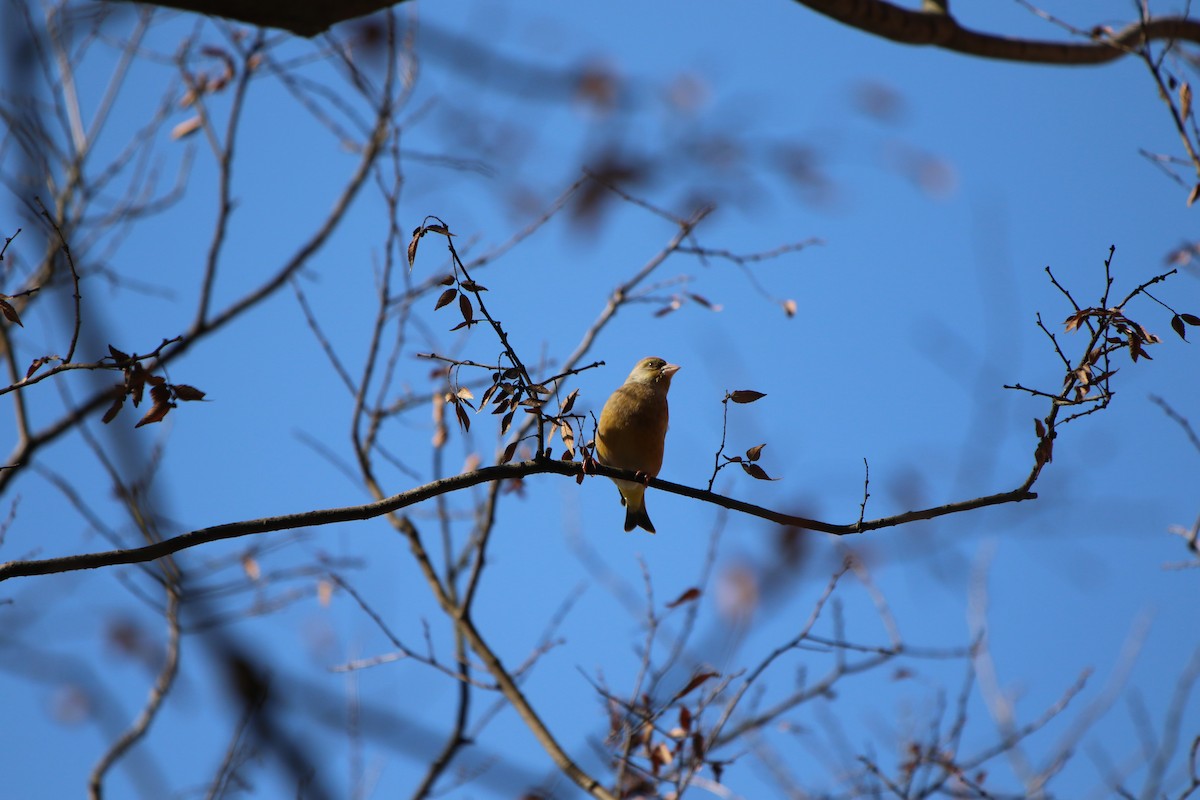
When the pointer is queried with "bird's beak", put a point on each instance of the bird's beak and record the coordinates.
(669, 370)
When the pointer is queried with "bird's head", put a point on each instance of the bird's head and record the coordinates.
(654, 371)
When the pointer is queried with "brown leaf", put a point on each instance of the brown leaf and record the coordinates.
(509, 452)
(117, 355)
(661, 754)
(754, 452)
(698, 749)
(569, 403)
(755, 471)
(447, 281)
(688, 596)
(186, 128)
(10, 313)
(412, 247)
(1039, 427)
(705, 302)
(185, 392)
(746, 396)
(117, 403)
(1185, 99)
(697, 680)
(1190, 319)
(464, 419)
(251, 568)
(471, 286)
(37, 364)
(505, 421)
(155, 414)
(1177, 324)
(445, 298)
(464, 306)
(685, 719)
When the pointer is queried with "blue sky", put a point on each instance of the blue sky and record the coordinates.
(915, 309)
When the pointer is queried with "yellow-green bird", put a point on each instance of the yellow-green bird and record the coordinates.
(633, 430)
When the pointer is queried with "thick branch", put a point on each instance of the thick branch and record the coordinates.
(329, 516)
(941, 30)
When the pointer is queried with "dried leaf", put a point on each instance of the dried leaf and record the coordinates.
(754, 452)
(465, 308)
(505, 421)
(445, 298)
(755, 471)
(464, 393)
(10, 313)
(509, 452)
(38, 363)
(439, 421)
(251, 568)
(464, 419)
(117, 355)
(569, 403)
(185, 392)
(412, 246)
(697, 680)
(660, 755)
(688, 596)
(1190, 319)
(1185, 100)
(186, 128)
(685, 719)
(746, 396)
(155, 414)
(471, 286)
(447, 281)
(1039, 428)
(1178, 326)
(117, 403)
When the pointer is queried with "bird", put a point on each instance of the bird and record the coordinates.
(632, 432)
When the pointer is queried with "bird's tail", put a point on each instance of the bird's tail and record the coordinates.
(633, 495)
(637, 518)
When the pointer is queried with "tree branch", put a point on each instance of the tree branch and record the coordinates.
(329, 516)
(942, 30)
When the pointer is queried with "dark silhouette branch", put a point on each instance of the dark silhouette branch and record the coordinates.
(939, 29)
(934, 27)
(329, 516)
